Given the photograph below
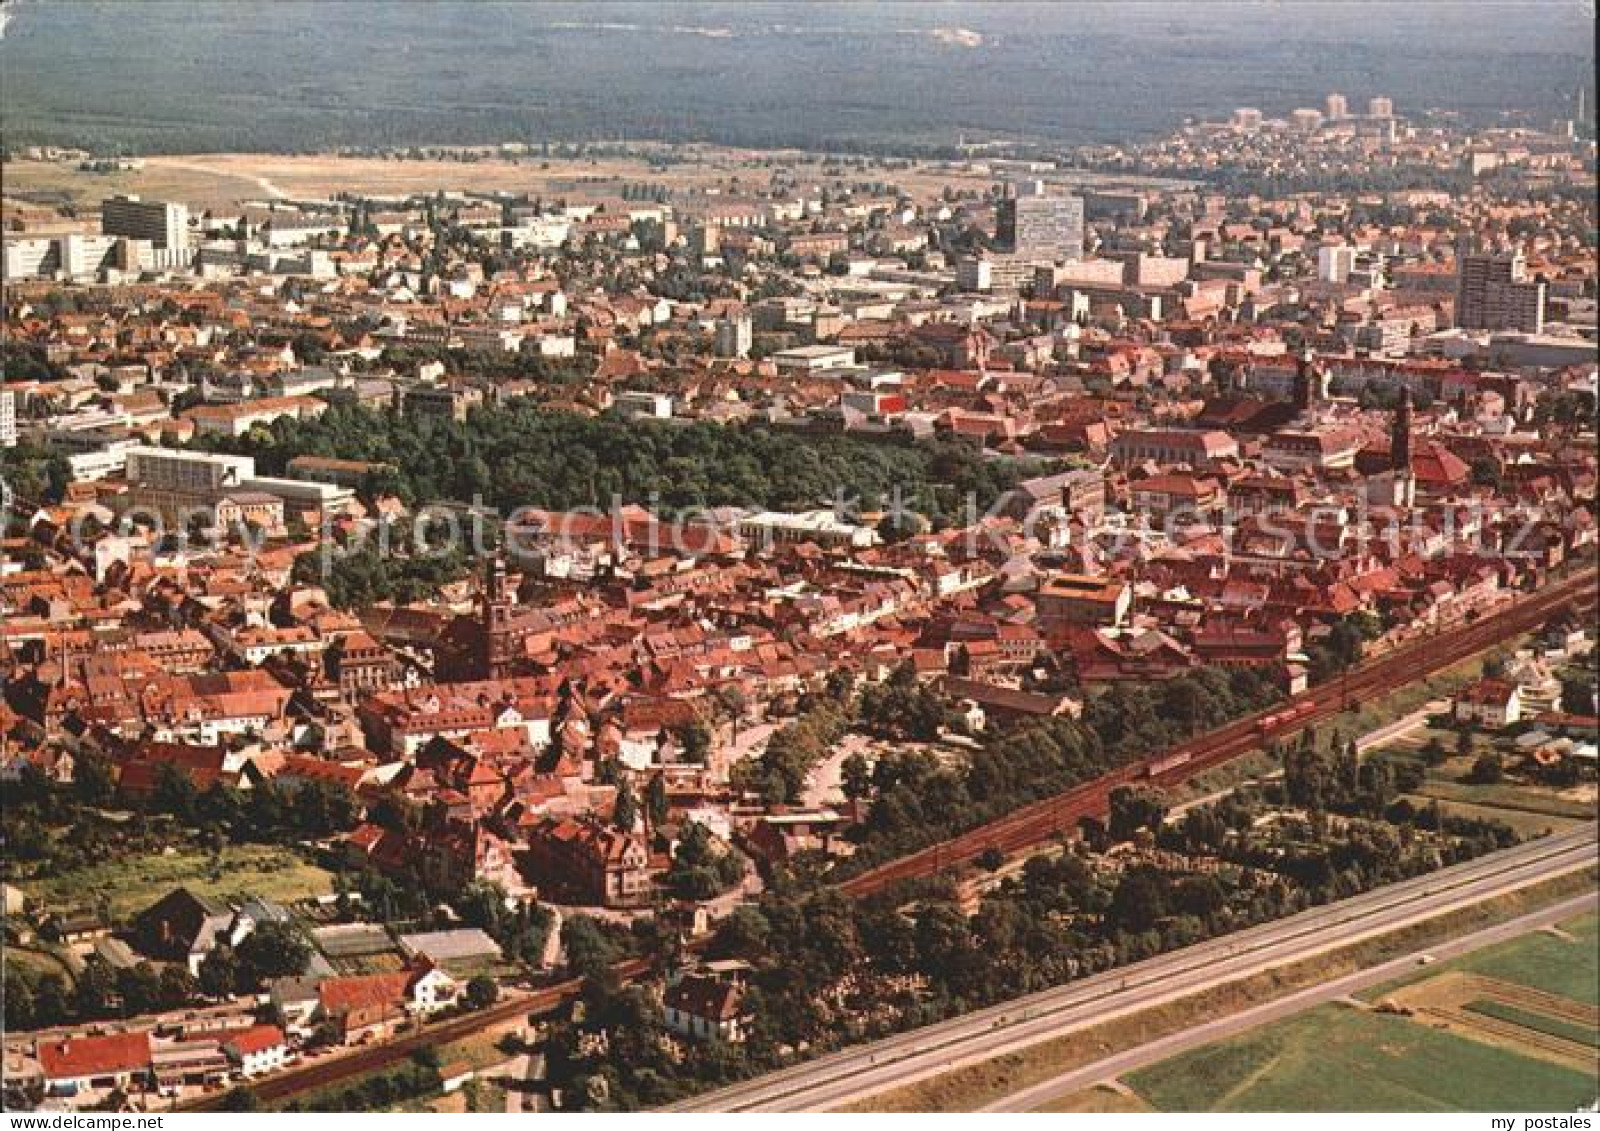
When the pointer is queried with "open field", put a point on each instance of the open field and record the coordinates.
(973, 1086)
(223, 180)
(40, 961)
(132, 884)
(1338, 1058)
(1568, 967)
(1538, 1022)
(1523, 823)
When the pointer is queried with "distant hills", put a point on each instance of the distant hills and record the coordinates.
(294, 75)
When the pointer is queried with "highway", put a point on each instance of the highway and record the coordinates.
(854, 1074)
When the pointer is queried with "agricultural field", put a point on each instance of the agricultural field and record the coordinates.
(1513, 1025)
(1342, 1058)
(128, 885)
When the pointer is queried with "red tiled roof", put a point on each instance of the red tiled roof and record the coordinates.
(94, 1056)
(257, 1038)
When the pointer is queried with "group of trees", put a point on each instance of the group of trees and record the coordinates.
(367, 575)
(36, 999)
(700, 869)
(903, 706)
(1343, 646)
(779, 773)
(378, 1091)
(274, 949)
(918, 798)
(521, 928)
(520, 455)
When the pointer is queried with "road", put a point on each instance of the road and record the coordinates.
(1104, 1071)
(904, 1059)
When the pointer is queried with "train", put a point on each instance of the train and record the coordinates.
(1280, 719)
(1158, 766)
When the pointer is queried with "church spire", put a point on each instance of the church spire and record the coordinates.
(1400, 435)
(1307, 384)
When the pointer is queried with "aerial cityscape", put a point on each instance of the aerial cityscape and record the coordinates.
(742, 557)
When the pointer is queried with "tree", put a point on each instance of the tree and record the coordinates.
(855, 777)
(95, 986)
(274, 949)
(1135, 809)
(589, 952)
(694, 739)
(139, 986)
(482, 991)
(1487, 770)
(655, 800)
(93, 780)
(240, 1098)
(178, 986)
(1139, 901)
(175, 792)
(1577, 695)
(19, 1008)
(625, 814)
(219, 972)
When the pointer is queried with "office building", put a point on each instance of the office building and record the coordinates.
(1380, 107)
(1306, 119)
(8, 418)
(1247, 118)
(1493, 292)
(1334, 263)
(735, 336)
(1338, 107)
(1035, 225)
(165, 226)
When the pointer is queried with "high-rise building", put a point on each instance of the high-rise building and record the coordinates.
(1335, 262)
(1036, 225)
(1306, 119)
(1493, 292)
(1338, 107)
(164, 225)
(8, 418)
(1380, 107)
(735, 336)
(1247, 118)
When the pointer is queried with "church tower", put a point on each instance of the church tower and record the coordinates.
(1308, 391)
(1400, 435)
(498, 638)
(1400, 452)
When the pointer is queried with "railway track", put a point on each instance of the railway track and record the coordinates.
(1039, 822)
(1033, 824)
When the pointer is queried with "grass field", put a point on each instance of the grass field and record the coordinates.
(41, 961)
(974, 1085)
(1538, 1022)
(1448, 786)
(1523, 823)
(1569, 967)
(1336, 1058)
(132, 884)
